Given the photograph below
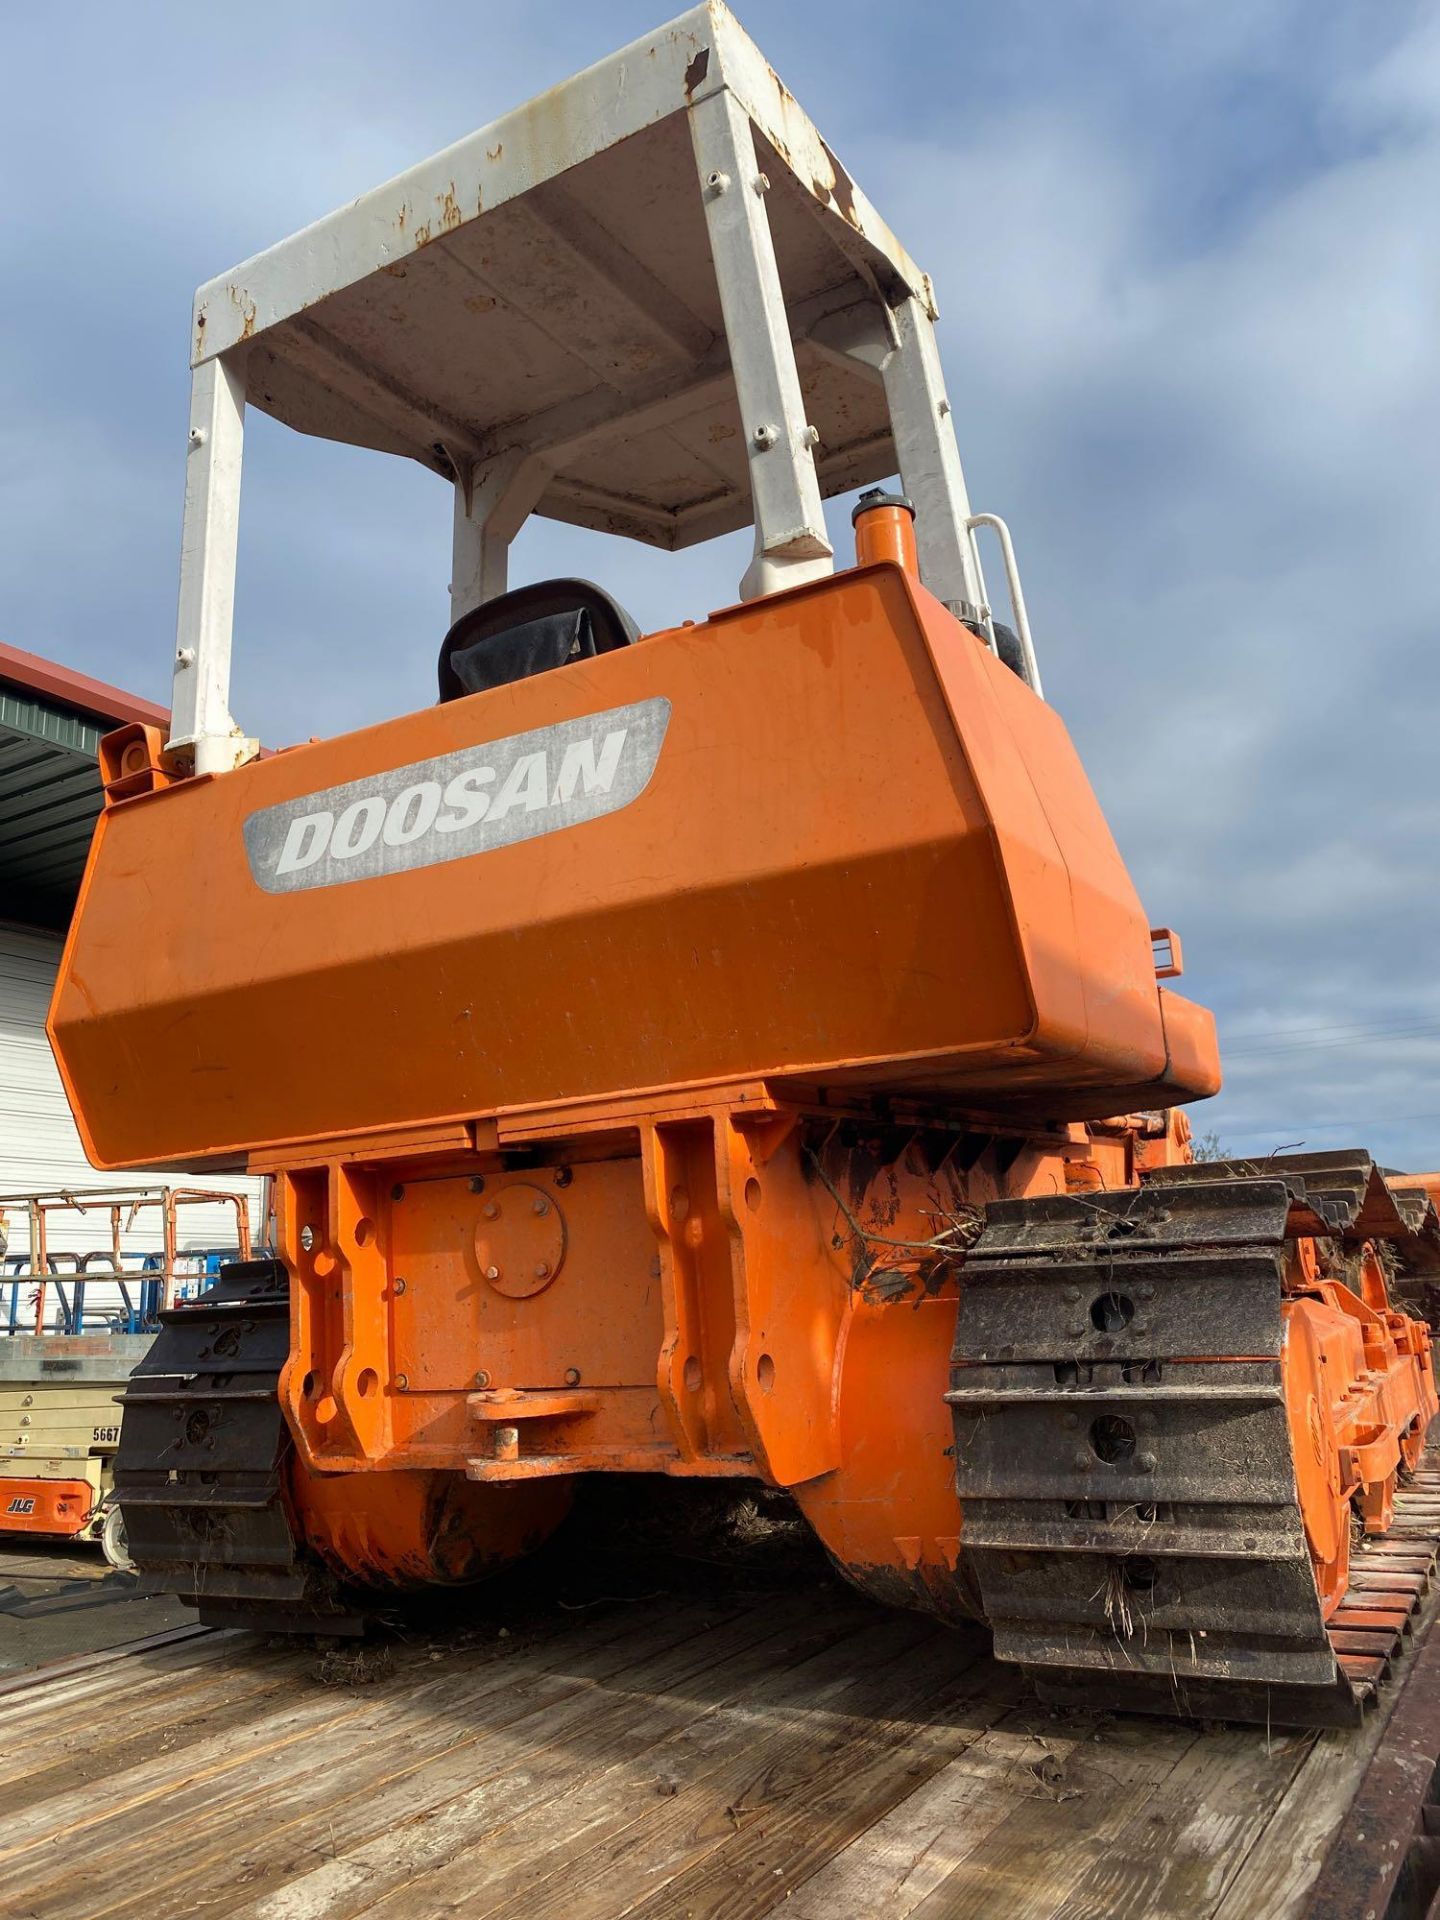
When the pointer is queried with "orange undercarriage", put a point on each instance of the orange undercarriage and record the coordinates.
(790, 1282)
(1360, 1395)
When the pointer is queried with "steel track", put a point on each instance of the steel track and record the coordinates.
(201, 1469)
(1131, 1518)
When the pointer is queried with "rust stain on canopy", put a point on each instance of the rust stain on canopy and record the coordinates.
(696, 71)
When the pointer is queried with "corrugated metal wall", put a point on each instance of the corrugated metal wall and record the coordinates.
(40, 1150)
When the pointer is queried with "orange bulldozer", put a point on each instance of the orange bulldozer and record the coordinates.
(735, 1052)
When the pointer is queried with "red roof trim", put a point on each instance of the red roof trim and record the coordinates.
(78, 690)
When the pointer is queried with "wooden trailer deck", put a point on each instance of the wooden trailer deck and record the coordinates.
(739, 1753)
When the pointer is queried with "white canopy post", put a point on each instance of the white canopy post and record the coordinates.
(492, 502)
(928, 458)
(791, 544)
(200, 721)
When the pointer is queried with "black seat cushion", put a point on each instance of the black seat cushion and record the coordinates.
(529, 631)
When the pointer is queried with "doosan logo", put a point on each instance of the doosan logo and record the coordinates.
(459, 803)
(465, 800)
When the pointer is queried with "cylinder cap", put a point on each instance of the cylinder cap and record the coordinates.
(878, 497)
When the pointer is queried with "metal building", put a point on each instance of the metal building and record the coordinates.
(51, 722)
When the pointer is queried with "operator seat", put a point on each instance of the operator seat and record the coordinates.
(529, 631)
(1007, 644)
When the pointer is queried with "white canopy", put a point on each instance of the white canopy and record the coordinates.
(651, 301)
(547, 284)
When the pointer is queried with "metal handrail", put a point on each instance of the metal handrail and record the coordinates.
(156, 1274)
(1016, 592)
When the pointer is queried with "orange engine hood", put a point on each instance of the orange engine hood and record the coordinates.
(837, 844)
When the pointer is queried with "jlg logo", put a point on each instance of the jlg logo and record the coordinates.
(21, 1506)
(459, 803)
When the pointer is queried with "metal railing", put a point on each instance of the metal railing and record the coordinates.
(147, 1280)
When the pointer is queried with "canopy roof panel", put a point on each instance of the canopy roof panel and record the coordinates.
(546, 285)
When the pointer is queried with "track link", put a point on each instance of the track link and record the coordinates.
(1130, 1516)
(200, 1472)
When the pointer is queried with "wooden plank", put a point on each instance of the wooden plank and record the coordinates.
(53, 1670)
(1030, 1864)
(1183, 1844)
(100, 1728)
(38, 1704)
(162, 1822)
(509, 1770)
(1383, 1579)
(782, 1848)
(1286, 1853)
(1361, 1668)
(799, 1776)
(1391, 1619)
(216, 1812)
(31, 1749)
(352, 1796)
(1347, 1639)
(230, 1704)
(119, 1807)
(501, 1827)
(1378, 1596)
(895, 1863)
(700, 1762)
(98, 1724)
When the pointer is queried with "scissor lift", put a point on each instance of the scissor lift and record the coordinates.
(65, 1359)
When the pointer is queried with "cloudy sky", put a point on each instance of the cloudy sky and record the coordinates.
(1188, 257)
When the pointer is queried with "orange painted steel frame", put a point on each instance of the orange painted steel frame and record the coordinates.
(734, 1287)
(1360, 1393)
(868, 861)
(578, 1160)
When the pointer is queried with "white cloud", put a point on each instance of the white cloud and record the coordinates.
(1218, 449)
